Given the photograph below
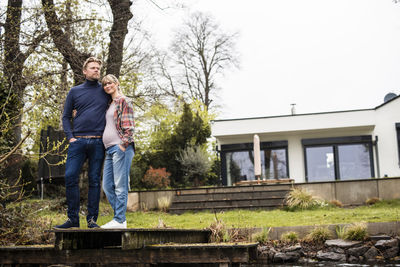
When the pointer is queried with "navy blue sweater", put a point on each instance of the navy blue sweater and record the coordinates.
(91, 103)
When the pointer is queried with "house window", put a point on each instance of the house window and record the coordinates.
(341, 158)
(238, 162)
(320, 163)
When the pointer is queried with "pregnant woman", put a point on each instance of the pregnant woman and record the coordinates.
(119, 144)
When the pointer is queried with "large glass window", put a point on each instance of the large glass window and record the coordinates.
(239, 165)
(342, 158)
(320, 163)
(354, 161)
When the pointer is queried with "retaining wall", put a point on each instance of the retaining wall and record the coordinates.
(353, 192)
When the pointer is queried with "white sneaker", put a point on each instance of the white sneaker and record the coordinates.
(113, 224)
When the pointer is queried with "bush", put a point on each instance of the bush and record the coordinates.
(163, 203)
(356, 231)
(372, 201)
(19, 226)
(340, 232)
(219, 233)
(156, 178)
(336, 203)
(319, 235)
(195, 165)
(261, 237)
(290, 237)
(301, 199)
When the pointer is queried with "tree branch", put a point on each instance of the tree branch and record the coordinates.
(15, 148)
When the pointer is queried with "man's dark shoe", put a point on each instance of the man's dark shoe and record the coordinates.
(68, 224)
(92, 224)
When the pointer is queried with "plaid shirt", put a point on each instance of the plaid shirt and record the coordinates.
(124, 120)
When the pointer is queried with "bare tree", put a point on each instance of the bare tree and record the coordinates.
(13, 65)
(201, 51)
(122, 15)
(74, 57)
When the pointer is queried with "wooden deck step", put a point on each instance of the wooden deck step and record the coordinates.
(212, 253)
(74, 239)
(219, 199)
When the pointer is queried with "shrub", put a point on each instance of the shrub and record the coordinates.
(156, 178)
(340, 231)
(301, 199)
(219, 232)
(195, 165)
(261, 237)
(336, 203)
(372, 201)
(290, 237)
(163, 203)
(319, 235)
(20, 226)
(356, 231)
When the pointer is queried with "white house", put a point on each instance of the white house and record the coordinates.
(327, 146)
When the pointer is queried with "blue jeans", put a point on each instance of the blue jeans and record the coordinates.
(116, 179)
(78, 152)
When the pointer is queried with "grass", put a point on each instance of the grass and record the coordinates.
(383, 211)
(319, 234)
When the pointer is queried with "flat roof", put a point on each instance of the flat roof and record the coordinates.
(308, 114)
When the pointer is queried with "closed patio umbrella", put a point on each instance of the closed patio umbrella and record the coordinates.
(257, 156)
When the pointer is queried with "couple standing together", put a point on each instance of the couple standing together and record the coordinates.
(100, 131)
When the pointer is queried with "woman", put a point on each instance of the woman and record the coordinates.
(118, 141)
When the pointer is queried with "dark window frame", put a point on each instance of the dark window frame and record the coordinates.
(249, 147)
(397, 125)
(334, 142)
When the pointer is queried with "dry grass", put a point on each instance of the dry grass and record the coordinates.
(356, 231)
(319, 235)
(163, 203)
(299, 198)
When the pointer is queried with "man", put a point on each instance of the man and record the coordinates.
(90, 103)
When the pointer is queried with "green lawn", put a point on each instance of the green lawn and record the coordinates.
(384, 211)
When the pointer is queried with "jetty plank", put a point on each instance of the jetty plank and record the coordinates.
(73, 239)
(191, 253)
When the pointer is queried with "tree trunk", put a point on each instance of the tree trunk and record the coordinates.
(62, 41)
(122, 14)
(13, 65)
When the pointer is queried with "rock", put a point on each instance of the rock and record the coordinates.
(385, 244)
(357, 251)
(330, 256)
(286, 257)
(352, 259)
(261, 249)
(391, 253)
(271, 253)
(341, 243)
(296, 247)
(371, 253)
(337, 250)
(379, 237)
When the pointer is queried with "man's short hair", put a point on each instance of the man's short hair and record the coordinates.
(91, 59)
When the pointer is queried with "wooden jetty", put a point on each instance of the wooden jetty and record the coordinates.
(133, 247)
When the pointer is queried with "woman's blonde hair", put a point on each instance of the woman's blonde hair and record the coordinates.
(110, 78)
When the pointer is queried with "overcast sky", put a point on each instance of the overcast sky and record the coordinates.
(323, 55)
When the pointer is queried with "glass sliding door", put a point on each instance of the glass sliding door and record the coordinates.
(354, 161)
(238, 162)
(273, 164)
(320, 164)
(239, 166)
(338, 158)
